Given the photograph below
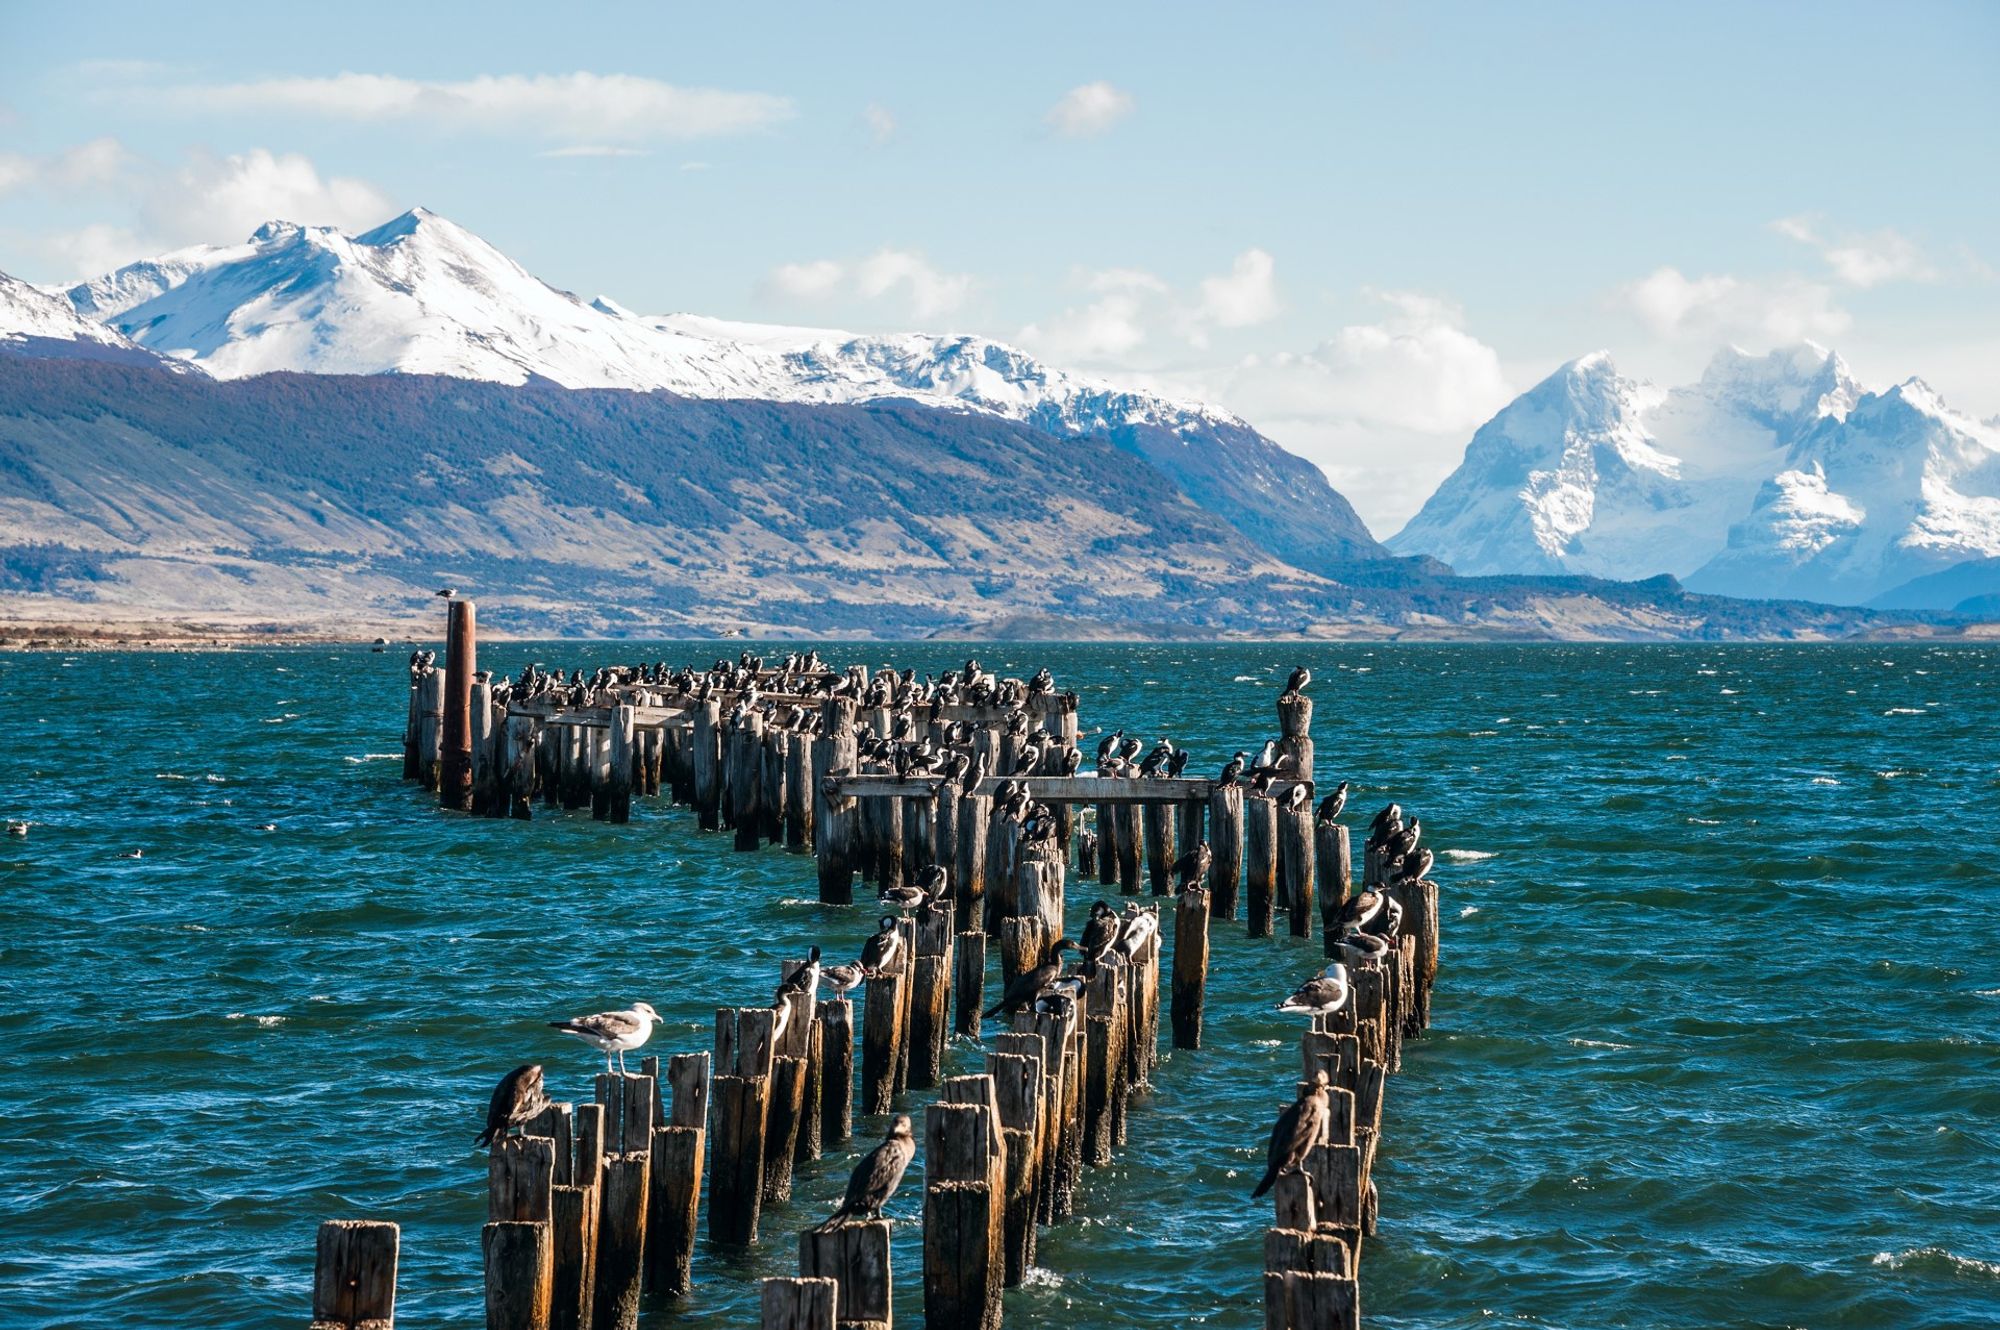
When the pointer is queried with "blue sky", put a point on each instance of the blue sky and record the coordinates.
(1362, 227)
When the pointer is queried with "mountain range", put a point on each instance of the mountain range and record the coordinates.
(315, 425)
(1774, 475)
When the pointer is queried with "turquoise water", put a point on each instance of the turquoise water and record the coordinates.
(1717, 1026)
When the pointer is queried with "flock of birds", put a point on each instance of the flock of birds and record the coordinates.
(1365, 928)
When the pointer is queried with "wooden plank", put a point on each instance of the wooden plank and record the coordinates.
(1049, 789)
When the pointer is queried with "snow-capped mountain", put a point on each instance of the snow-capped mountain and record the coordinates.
(1772, 475)
(420, 295)
(41, 323)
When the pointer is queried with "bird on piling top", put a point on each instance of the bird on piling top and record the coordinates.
(1109, 744)
(1101, 933)
(1295, 798)
(1072, 758)
(1331, 806)
(1232, 770)
(613, 1031)
(1191, 868)
(1156, 761)
(901, 897)
(1296, 1132)
(516, 1099)
(1140, 927)
(1028, 985)
(1324, 993)
(1178, 763)
(1357, 948)
(1417, 867)
(877, 1176)
(935, 883)
(842, 979)
(1267, 757)
(1297, 683)
(883, 951)
(1361, 909)
(446, 592)
(1386, 823)
(806, 978)
(1042, 684)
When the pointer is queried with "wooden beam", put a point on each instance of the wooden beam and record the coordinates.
(1049, 789)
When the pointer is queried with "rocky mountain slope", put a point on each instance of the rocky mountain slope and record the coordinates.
(420, 295)
(1773, 475)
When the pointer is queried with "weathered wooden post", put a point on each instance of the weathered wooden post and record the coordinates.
(517, 777)
(746, 784)
(673, 1209)
(1225, 842)
(1016, 1069)
(740, 1099)
(969, 982)
(430, 730)
(1104, 1022)
(1125, 818)
(882, 1037)
(621, 1238)
(1190, 965)
(707, 758)
(975, 811)
(800, 1304)
(1024, 944)
(618, 785)
(413, 730)
(461, 651)
(1039, 868)
(1260, 860)
(834, 816)
(1295, 718)
(485, 749)
(1156, 829)
(930, 1000)
(790, 1068)
(1296, 869)
(1189, 815)
(518, 1241)
(798, 791)
(855, 1254)
(836, 1102)
(965, 1200)
(354, 1275)
(1334, 866)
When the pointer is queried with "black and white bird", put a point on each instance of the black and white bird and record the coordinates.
(877, 1176)
(805, 979)
(1326, 992)
(1109, 744)
(935, 883)
(842, 978)
(1140, 927)
(1417, 867)
(1331, 806)
(1028, 985)
(1387, 823)
(1297, 683)
(516, 1099)
(903, 898)
(1192, 867)
(613, 1032)
(1267, 757)
(447, 592)
(1295, 798)
(1362, 909)
(1232, 770)
(1296, 1132)
(883, 951)
(1101, 932)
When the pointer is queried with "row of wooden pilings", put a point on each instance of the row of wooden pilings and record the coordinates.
(1325, 1210)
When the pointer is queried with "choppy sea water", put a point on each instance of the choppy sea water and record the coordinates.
(1717, 1024)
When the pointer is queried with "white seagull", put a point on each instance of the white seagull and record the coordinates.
(612, 1032)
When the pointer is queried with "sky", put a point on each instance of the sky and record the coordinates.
(1363, 227)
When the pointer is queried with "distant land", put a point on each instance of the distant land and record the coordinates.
(302, 436)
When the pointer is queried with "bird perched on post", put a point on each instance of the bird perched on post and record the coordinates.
(1321, 995)
(1296, 1132)
(613, 1031)
(1295, 798)
(447, 592)
(883, 951)
(1192, 867)
(805, 979)
(1297, 683)
(842, 978)
(1232, 770)
(877, 1176)
(1028, 984)
(516, 1099)
(1330, 807)
(1139, 928)
(1101, 932)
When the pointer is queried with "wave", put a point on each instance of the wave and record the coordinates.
(1468, 912)
(1906, 711)
(1467, 856)
(1936, 1260)
(372, 757)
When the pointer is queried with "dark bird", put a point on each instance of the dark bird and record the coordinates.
(446, 591)
(934, 882)
(1331, 806)
(1324, 993)
(1387, 821)
(516, 1099)
(1072, 758)
(877, 1176)
(1193, 866)
(1028, 984)
(1296, 1132)
(1417, 866)
(1358, 948)
(805, 979)
(1361, 909)
(884, 948)
(1232, 770)
(1101, 932)
(1295, 798)
(1300, 678)
(1177, 763)
(1109, 745)
(903, 898)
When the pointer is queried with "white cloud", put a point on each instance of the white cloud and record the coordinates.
(881, 122)
(595, 150)
(1109, 328)
(1088, 109)
(226, 198)
(616, 108)
(1245, 295)
(1719, 308)
(904, 278)
(95, 164)
(1861, 260)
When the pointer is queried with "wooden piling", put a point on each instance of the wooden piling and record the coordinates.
(1156, 829)
(1126, 820)
(881, 1040)
(1333, 866)
(455, 757)
(520, 1274)
(745, 738)
(969, 982)
(975, 812)
(354, 1275)
(1225, 842)
(739, 1100)
(1296, 869)
(618, 786)
(485, 750)
(430, 730)
(790, 1071)
(1016, 1069)
(518, 768)
(707, 759)
(1039, 870)
(621, 1239)
(964, 1207)
(1191, 915)
(834, 817)
(798, 791)
(800, 1304)
(930, 1000)
(855, 1255)
(672, 1208)
(1295, 716)
(836, 1093)
(1104, 1056)
(1260, 860)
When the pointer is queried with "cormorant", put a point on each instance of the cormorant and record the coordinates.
(517, 1098)
(1300, 678)
(1028, 984)
(884, 948)
(877, 1176)
(1296, 1132)
(1331, 806)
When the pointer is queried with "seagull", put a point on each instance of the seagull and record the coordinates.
(1321, 995)
(1358, 948)
(447, 592)
(842, 978)
(883, 950)
(1300, 678)
(1296, 1132)
(877, 1176)
(516, 1099)
(613, 1031)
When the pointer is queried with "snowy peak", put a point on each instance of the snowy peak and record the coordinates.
(35, 322)
(1790, 386)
